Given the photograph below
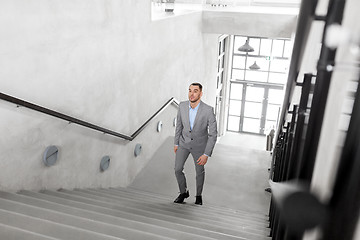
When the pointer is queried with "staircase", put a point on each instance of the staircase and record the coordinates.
(120, 214)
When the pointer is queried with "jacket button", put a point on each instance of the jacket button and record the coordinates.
(192, 139)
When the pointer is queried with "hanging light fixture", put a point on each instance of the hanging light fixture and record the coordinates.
(254, 66)
(246, 47)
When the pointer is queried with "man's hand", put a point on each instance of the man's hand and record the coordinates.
(202, 160)
(175, 148)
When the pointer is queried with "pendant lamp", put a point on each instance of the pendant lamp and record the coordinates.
(246, 47)
(254, 66)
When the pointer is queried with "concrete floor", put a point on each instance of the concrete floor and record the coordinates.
(236, 174)
(250, 141)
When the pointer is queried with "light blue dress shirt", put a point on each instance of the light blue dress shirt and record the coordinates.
(192, 115)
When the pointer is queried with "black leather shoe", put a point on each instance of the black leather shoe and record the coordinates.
(181, 197)
(198, 200)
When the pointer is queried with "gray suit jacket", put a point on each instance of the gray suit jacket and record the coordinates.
(202, 137)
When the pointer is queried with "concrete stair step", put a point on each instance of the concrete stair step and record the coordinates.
(49, 228)
(169, 215)
(33, 199)
(201, 210)
(76, 221)
(167, 206)
(178, 231)
(180, 210)
(9, 232)
(218, 209)
(242, 231)
(117, 214)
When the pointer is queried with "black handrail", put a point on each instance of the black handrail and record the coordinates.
(53, 113)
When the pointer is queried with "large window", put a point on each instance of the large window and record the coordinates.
(257, 80)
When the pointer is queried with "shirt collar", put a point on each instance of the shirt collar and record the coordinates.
(196, 108)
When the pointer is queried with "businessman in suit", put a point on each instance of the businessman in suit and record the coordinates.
(196, 133)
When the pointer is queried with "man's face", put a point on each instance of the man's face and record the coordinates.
(194, 93)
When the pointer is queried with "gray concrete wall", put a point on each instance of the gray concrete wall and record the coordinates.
(102, 61)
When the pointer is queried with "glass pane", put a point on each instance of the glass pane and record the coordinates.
(288, 49)
(238, 42)
(276, 96)
(239, 62)
(251, 125)
(272, 112)
(256, 76)
(220, 63)
(255, 43)
(262, 62)
(255, 94)
(235, 107)
(265, 47)
(278, 78)
(277, 49)
(236, 91)
(237, 74)
(233, 123)
(279, 65)
(252, 109)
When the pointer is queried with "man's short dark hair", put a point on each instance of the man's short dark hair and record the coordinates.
(197, 84)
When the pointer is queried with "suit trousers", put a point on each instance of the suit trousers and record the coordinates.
(180, 159)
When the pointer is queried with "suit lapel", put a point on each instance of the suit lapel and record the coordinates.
(198, 113)
(186, 117)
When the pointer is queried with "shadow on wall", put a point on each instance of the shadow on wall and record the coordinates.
(158, 175)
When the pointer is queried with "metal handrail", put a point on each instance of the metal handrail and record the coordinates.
(56, 114)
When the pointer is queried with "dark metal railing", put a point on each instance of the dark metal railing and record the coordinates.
(344, 205)
(323, 80)
(305, 18)
(70, 119)
(298, 208)
(297, 143)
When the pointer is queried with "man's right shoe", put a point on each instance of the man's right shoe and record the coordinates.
(181, 197)
(198, 200)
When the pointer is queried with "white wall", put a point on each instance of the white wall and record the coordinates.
(102, 61)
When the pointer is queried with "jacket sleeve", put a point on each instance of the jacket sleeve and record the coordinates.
(212, 134)
(179, 128)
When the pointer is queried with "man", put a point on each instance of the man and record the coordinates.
(195, 133)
